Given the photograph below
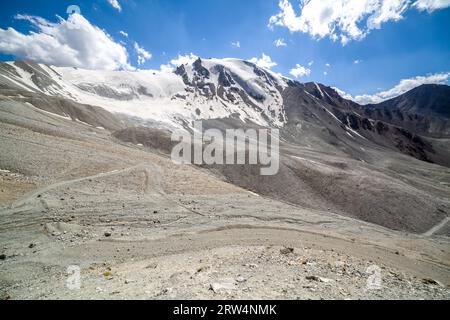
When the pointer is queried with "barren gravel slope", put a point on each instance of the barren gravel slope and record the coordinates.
(142, 227)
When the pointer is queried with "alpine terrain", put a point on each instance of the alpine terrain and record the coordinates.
(359, 209)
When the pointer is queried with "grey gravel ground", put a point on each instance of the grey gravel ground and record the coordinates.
(139, 226)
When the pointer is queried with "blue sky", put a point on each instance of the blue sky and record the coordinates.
(418, 44)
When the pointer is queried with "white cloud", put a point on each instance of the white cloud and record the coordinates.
(431, 5)
(143, 55)
(310, 63)
(345, 20)
(357, 61)
(280, 43)
(123, 33)
(186, 59)
(327, 65)
(325, 73)
(236, 44)
(74, 42)
(167, 68)
(115, 4)
(300, 71)
(404, 86)
(178, 61)
(343, 94)
(264, 62)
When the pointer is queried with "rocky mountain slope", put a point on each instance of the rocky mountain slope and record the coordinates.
(138, 226)
(224, 88)
(204, 90)
(425, 100)
(328, 142)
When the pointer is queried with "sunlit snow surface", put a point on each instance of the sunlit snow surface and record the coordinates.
(163, 96)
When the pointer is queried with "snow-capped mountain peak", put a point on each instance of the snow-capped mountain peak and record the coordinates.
(205, 89)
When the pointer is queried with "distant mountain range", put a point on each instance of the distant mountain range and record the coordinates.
(235, 89)
(425, 100)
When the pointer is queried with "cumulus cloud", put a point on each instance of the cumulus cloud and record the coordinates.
(346, 20)
(431, 5)
(300, 71)
(184, 59)
(402, 87)
(142, 54)
(167, 67)
(280, 43)
(123, 33)
(74, 42)
(178, 61)
(115, 4)
(264, 62)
